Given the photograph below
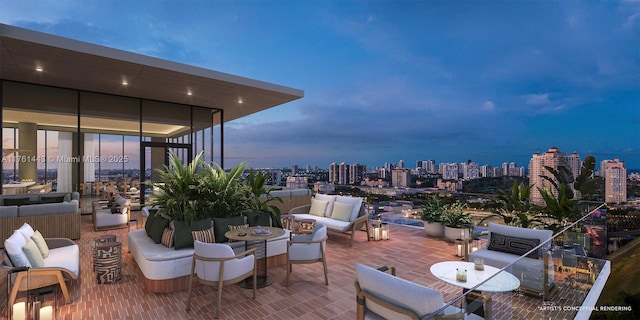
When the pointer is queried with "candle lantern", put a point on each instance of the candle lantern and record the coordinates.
(458, 248)
(35, 306)
(385, 231)
(376, 225)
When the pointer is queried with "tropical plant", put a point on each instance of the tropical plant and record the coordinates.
(178, 191)
(222, 193)
(432, 210)
(560, 199)
(259, 196)
(514, 207)
(455, 217)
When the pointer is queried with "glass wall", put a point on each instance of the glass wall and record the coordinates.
(93, 143)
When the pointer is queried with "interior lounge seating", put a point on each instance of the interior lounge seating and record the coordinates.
(308, 249)
(117, 216)
(215, 264)
(380, 295)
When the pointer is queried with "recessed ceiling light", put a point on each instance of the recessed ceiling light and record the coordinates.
(189, 93)
(240, 100)
(125, 83)
(39, 68)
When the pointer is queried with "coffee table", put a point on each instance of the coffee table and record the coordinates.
(502, 282)
(255, 239)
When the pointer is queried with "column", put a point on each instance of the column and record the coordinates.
(65, 161)
(27, 151)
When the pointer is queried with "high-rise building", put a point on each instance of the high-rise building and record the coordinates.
(401, 164)
(449, 171)
(471, 171)
(356, 172)
(552, 158)
(486, 171)
(343, 173)
(400, 178)
(294, 169)
(615, 179)
(333, 173)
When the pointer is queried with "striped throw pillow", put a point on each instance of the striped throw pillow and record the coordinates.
(206, 236)
(240, 226)
(167, 238)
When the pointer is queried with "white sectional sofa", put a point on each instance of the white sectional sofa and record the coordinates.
(338, 213)
(507, 244)
(167, 269)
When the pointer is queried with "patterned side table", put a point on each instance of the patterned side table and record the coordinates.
(107, 262)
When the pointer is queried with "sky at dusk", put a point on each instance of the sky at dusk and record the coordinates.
(487, 81)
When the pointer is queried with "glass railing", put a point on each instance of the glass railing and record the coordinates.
(560, 278)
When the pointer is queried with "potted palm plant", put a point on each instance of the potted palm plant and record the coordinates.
(456, 222)
(432, 215)
(259, 198)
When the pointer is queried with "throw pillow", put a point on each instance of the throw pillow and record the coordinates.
(182, 235)
(221, 226)
(26, 231)
(52, 199)
(355, 201)
(342, 211)
(204, 235)
(513, 245)
(13, 245)
(16, 201)
(153, 214)
(157, 228)
(38, 239)
(33, 254)
(241, 226)
(167, 237)
(330, 199)
(318, 207)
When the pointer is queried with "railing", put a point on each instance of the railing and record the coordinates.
(565, 282)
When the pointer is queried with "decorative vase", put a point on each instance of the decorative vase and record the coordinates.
(434, 229)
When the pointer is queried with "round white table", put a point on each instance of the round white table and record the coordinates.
(503, 281)
(476, 303)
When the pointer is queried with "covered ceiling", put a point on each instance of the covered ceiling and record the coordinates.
(33, 57)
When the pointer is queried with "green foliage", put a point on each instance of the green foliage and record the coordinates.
(199, 190)
(585, 182)
(222, 194)
(454, 215)
(432, 210)
(178, 192)
(259, 196)
(514, 207)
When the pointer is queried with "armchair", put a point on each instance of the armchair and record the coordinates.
(383, 296)
(215, 264)
(61, 265)
(105, 219)
(308, 249)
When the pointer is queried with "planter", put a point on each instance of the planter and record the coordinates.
(434, 229)
(451, 233)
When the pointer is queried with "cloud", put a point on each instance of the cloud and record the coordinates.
(537, 99)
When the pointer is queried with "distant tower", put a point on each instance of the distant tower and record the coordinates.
(333, 173)
(294, 169)
(400, 178)
(615, 179)
(552, 158)
(343, 173)
(401, 164)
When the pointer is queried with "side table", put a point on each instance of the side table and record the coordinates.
(107, 259)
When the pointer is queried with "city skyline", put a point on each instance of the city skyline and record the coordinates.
(487, 81)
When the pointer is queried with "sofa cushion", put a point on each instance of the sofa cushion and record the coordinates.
(355, 201)
(26, 231)
(157, 228)
(513, 245)
(38, 239)
(13, 245)
(167, 237)
(51, 199)
(67, 257)
(318, 207)
(221, 226)
(16, 201)
(8, 211)
(33, 254)
(419, 299)
(183, 236)
(342, 211)
(332, 224)
(206, 236)
(330, 200)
